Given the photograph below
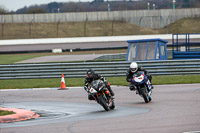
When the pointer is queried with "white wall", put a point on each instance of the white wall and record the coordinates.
(90, 39)
(146, 18)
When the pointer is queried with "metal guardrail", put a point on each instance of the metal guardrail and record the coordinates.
(108, 69)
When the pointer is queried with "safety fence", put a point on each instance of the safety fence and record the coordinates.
(108, 69)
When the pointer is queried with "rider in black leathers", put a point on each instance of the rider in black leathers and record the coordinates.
(134, 68)
(91, 76)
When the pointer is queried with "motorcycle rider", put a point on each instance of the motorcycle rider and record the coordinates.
(134, 68)
(91, 76)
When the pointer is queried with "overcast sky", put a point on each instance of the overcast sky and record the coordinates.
(13, 5)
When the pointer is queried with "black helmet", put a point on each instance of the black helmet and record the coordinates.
(90, 73)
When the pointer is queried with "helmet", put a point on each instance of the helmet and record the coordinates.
(90, 73)
(133, 67)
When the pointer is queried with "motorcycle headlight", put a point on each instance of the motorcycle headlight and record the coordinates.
(92, 89)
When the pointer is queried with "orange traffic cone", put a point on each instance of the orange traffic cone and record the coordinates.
(63, 86)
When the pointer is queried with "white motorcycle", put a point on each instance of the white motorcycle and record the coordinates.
(143, 85)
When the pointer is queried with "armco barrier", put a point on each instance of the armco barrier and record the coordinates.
(108, 69)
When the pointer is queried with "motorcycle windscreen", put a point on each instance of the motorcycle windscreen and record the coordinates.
(95, 84)
(139, 73)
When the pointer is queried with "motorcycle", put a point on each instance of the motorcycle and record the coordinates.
(101, 94)
(143, 86)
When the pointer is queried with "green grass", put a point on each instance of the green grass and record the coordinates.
(181, 79)
(2, 112)
(38, 83)
(160, 80)
(13, 58)
(55, 82)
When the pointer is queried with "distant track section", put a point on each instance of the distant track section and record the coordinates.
(77, 43)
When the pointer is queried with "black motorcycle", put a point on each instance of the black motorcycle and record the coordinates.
(101, 94)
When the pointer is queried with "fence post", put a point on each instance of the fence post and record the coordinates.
(3, 28)
(57, 26)
(167, 30)
(112, 26)
(194, 24)
(140, 25)
(85, 24)
(30, 28)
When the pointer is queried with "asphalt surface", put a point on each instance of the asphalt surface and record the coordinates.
(88, 45)
(30, 47)
(59, 58)
(174, 109)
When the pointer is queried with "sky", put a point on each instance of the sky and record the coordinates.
(13, 5)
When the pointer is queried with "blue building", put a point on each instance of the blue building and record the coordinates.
(147, 49)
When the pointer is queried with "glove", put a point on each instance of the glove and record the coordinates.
(86, 88)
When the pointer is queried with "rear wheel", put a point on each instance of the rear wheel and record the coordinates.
(102, 101)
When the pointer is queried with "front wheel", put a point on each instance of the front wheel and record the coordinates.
(102, 101)
(145, 98)
(149, 99)
(144, 95)
(113, 105)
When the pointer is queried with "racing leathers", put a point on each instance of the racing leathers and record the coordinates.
(129, 76)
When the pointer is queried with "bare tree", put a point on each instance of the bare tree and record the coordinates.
(3, 10)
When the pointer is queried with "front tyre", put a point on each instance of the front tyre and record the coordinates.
(145, 98)
(113, 105)
(144, 95)
(150, 99)
(102, 102)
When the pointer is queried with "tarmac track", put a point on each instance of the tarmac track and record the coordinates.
(31, 47)
(174, 109)
(110, 44)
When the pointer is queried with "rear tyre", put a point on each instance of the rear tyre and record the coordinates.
(103, 102)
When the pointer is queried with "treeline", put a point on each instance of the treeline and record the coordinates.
(102, 5)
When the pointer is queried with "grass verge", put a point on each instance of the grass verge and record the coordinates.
(13, 58)
(92, 28)
(2, 112)
(70, 82)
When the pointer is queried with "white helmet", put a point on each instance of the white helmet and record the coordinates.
(134, 67)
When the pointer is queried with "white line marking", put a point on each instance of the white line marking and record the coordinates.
(192, 132)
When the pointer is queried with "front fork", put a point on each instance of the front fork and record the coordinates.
(149, 86)
(105, 94)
